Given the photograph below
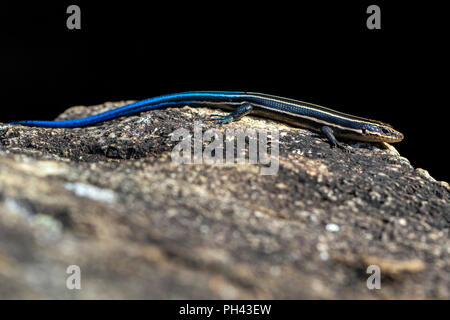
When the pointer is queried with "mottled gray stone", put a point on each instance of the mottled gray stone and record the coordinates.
(109, 199)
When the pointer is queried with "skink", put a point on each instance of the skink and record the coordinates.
(329, 122)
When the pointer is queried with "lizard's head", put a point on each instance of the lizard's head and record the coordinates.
(381, 132)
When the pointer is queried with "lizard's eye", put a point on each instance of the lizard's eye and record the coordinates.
(364, 131)
(386, 131)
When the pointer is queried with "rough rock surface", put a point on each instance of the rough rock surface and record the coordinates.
(110, 200)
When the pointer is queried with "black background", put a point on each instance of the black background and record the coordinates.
(320, 52)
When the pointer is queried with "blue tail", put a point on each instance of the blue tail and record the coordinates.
(177, 99)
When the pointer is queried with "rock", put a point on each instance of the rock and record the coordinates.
(110, 200)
